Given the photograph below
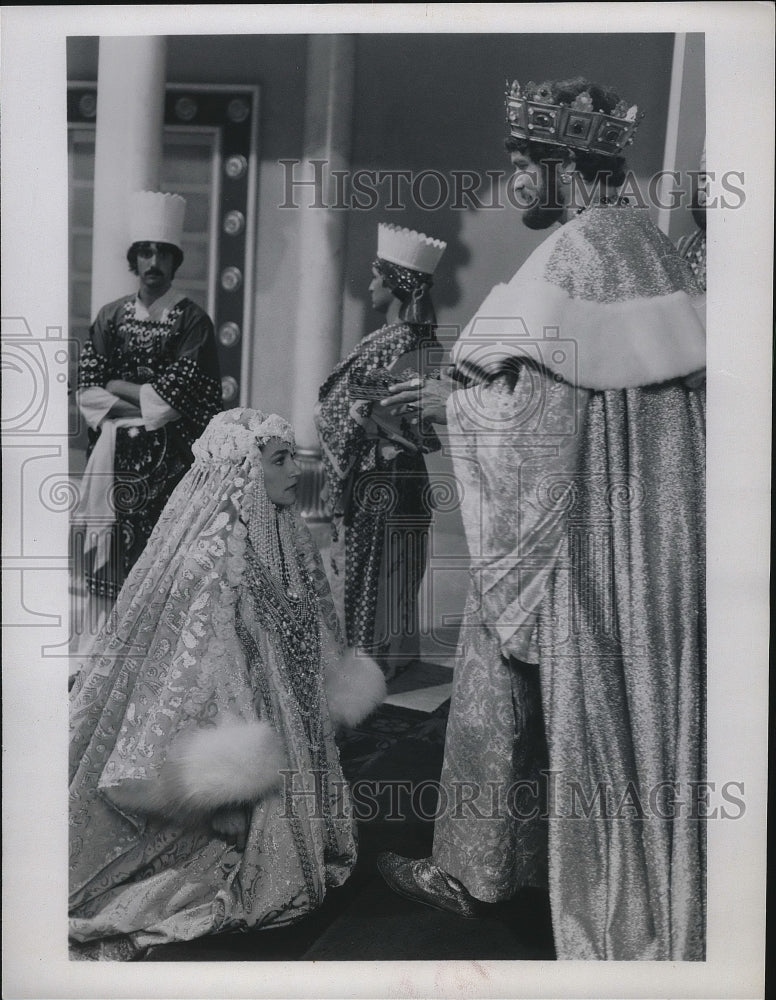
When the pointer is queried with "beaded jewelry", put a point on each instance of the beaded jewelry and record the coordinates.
(606, 200)
(404, 278)
(280, 590)
(233, 440)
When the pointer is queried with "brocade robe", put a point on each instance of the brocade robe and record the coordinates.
(380, 506)
(579, 694)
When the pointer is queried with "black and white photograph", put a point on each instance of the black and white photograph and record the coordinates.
(383, 616)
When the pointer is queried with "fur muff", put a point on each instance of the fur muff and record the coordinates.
(207, 769)
(355, 686)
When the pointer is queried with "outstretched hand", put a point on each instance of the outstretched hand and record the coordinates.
(423, 399)
(384, 427)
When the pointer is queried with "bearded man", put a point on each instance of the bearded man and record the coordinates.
(148, 383)
(576, 733)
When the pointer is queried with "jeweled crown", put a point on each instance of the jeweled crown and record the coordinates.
(533, 114)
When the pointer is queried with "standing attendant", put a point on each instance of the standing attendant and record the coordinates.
(376, 479)
(148, 383)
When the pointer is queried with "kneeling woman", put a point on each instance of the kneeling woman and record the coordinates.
(206, 792)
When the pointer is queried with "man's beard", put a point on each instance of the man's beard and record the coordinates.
(541, 216)
(548, 208)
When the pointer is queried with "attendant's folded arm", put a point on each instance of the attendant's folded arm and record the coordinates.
(95, 404)
(156, 411)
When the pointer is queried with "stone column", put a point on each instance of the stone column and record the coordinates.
(128, 151)
(318, 337)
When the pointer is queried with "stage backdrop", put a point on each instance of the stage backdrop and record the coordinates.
(421, 103)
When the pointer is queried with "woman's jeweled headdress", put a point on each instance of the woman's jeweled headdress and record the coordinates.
(235, 435)
(407, 259)
(409, 248)
(233, 440)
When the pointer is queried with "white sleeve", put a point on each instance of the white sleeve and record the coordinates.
(156, 412)
(95, 403)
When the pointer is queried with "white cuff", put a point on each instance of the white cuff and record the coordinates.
(156, 412)
(95, 404)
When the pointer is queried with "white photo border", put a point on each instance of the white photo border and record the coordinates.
(740, 86)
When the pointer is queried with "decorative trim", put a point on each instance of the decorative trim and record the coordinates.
(206, 769)
(355, 687)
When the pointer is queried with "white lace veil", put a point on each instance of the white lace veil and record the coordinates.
(231, 447)
(168, 658)
(169, 664)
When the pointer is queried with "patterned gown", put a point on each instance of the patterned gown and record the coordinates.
(380, 508)
(578, 707)
(174, 351)
(187, 647)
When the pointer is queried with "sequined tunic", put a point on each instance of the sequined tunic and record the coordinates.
(177, 356)
(578, 707)
(380, 508)
(693, 249)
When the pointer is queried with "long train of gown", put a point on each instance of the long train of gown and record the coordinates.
(137, 881)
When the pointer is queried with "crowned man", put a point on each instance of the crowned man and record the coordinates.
(376, 479)
(576, 731)
(148, 383)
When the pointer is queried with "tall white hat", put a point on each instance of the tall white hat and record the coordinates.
(409, 248)
(156, 217)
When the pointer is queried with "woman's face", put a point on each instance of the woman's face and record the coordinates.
(380, 292)
(281, 473)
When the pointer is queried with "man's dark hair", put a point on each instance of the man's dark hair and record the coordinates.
(591, 166)
(177, 255)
